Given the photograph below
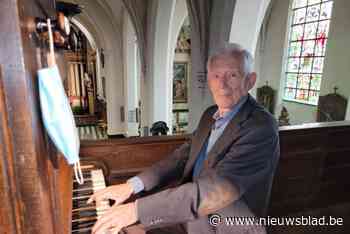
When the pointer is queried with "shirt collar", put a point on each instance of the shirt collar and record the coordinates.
(219, 121)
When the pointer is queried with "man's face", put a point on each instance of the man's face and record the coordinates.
(226, 81)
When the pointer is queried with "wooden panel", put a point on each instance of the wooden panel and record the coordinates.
(292, 205)
(335, 158)
(127, 157)
(338, 138)
(300, 141)
(285, 189)
(331, 193)
(9, 209)
(300, 164)
(338, 174)
(63, 188)
(312, 176)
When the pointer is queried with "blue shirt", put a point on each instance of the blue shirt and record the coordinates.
(216, 131)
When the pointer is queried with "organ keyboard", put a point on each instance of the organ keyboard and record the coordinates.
(85, 215)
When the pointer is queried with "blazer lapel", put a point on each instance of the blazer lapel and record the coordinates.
(197, 143)
(231, 132)
(229, 135)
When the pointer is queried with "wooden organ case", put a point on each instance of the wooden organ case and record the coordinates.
(34, 182)
(36, 185)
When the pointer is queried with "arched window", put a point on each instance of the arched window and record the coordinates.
(307, 41)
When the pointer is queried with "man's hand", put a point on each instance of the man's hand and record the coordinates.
(118, 193)
(115, 219)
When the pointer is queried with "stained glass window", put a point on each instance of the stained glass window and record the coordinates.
(306, 49)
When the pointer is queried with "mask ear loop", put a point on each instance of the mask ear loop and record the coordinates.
(77, 173)
(51, 61)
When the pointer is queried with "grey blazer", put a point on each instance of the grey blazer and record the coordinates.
(235, 181)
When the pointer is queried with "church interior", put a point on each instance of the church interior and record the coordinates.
(134, 72)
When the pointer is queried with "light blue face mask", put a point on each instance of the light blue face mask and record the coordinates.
(57, 114)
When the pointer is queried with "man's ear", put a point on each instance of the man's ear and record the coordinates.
(250, 81)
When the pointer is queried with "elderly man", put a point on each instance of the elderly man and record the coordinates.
(225, 171)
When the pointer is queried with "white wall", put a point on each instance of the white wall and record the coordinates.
(337, 62)
(271, 47)
(131, 77)
(271, 51)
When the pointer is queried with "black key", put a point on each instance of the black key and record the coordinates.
(87, 184)
(80, 225)
(86, 213)
(83, 193)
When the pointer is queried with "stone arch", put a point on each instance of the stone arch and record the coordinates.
(169, 19)
(253, 12)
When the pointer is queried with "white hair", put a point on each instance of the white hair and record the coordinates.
(234, 50)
